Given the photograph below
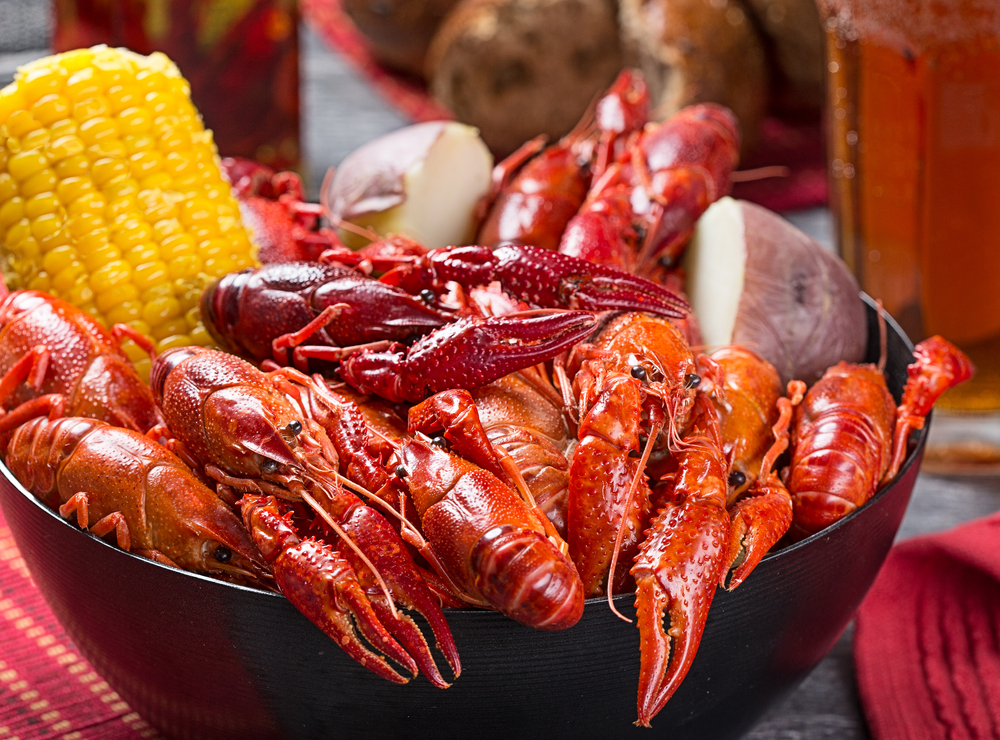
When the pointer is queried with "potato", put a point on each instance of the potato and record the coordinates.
(520, 68)
(697, 51)
(754, 279)
(422, 181)
(795, 33)
(398, 32)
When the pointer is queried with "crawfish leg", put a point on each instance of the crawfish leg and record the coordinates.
(322, 585)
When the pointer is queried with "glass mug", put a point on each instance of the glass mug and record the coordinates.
(913, 126)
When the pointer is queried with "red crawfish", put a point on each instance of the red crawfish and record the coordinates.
(513, 428)
(73, 366)
(536, 190)
(849, 438)
(637, 379)
(252, 439)
(492, 548)
(643, 209)
(119, 481)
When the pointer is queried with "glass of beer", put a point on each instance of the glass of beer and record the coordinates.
(913, 126)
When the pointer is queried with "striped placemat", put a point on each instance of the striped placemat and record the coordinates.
(47, 689)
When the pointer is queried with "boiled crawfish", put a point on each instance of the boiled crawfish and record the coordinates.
(849, 437)
(252, 439)
(73, 365)
(119, 481)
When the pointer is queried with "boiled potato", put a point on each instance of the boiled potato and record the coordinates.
(698, 51)
(519, 68)
(756, 280)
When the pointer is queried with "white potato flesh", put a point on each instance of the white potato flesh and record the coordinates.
(755, 279)
(422, 181)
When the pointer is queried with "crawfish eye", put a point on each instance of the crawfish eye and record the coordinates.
(439, 441)
(427, 295)
(269, 466)
(295, 427)
(401, 472)
(223, 554)
(692, 380)
(737, 479)
(638, 372)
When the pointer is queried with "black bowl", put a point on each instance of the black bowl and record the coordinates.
(202, 659)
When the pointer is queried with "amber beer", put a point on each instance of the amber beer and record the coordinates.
(914, 137)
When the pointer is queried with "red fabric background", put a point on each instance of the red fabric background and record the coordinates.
(47, 690)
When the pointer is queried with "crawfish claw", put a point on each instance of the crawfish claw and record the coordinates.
(468, 353)
(323, 586)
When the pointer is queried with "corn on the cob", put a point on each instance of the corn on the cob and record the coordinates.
(110, 193)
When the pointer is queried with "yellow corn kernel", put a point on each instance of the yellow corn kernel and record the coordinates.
(193, 317)
(189, 184)
(106, 170)
(79, 294)
(63, 147)
(200, 336)
(110, 274)
(142, 253)
(71, 188)
(145, 163)
(73, 165)
(179, 165)
(84, 84)
(20, 123)
(152, 80)
(17, 232)
(8, 186)
(122, 207)
(89, 203)
(156, 208)
(50, 109)
(135, 120)
(159, 180)
(97, 129)
(86, 223)
(118, 295)
(41, 182)
(244, 261)
(149, 274)
(40, 282)
(42, 203)
(42, 81)
(24, 165)
(84, 110)
(160, 309)
(132, 350)
(142, 367)
(166, 227)
(177, 340)
(29, 249)
(185, 266)
(64, 127)
(12, 99)
(163, 290)
(122, 97)
(58, 258)
(46, 225)
(36, 139)
(98, 257)
(169, 328)
(12, 145)
(138, 143)
(11, 212)
(107, 147)
(122, 186)
(68, 278)
(177, 245)
(131, 232)
(219, 266)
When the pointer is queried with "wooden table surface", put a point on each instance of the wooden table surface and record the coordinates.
(341, 113)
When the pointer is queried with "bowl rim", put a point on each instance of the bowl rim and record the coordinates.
(915, 443)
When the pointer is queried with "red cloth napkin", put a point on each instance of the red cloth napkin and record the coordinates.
(927, 639)
(47, 690)
(797, 146)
